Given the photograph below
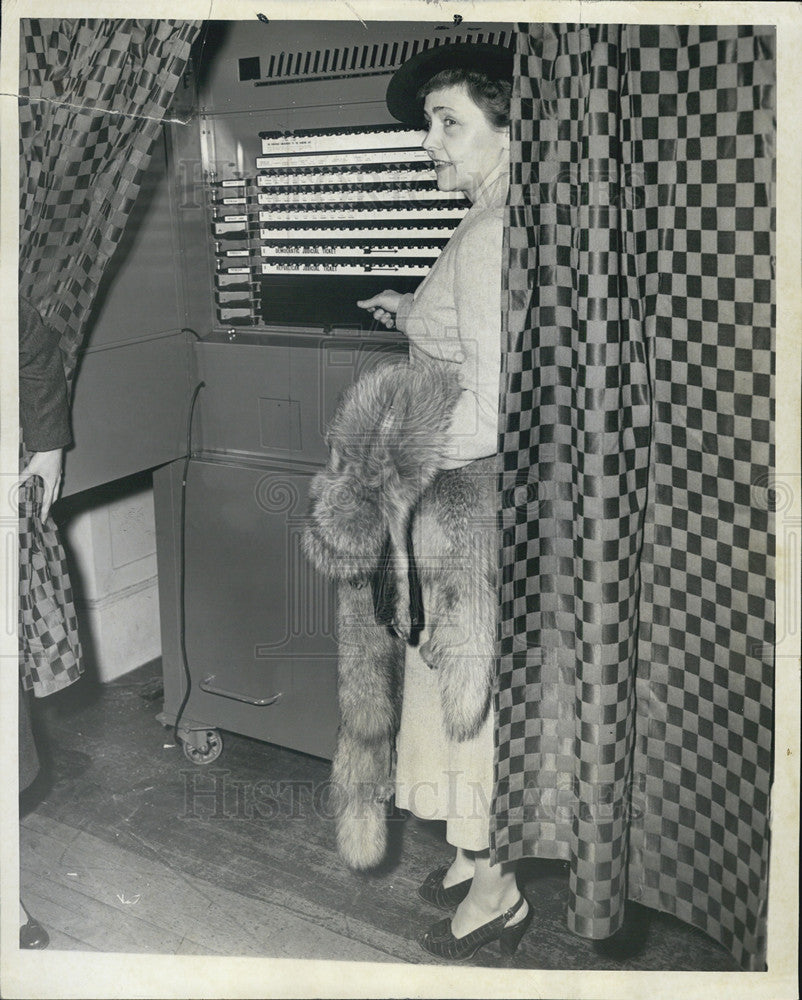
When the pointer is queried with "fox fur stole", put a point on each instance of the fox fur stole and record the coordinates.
(380, 497)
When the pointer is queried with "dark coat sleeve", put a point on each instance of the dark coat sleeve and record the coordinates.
(43, 402)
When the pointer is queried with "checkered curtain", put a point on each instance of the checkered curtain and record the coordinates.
(634, 698)
(92, 98)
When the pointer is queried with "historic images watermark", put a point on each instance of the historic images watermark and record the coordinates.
(218, 794)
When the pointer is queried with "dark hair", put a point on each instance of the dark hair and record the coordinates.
(491, 95)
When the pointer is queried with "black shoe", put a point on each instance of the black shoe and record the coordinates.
(440, 941)
(33, 935)
(434, 892)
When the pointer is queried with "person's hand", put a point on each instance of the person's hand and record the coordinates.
(48, 465)
(384, 306)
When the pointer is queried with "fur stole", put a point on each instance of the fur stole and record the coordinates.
(381, 515)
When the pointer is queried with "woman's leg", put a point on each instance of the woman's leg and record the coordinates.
(462, 868)
(493, 890)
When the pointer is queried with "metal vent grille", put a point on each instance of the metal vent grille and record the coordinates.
(361, 60)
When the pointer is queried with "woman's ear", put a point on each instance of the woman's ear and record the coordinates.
(505, 138)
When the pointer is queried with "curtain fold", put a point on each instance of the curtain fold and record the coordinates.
(636, 629)
(93, 96)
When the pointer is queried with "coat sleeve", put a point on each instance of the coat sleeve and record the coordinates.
(403, 312)
(477, 295)
(43, 402)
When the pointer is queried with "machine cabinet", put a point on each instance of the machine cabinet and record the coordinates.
(247, 624)
(258, 624)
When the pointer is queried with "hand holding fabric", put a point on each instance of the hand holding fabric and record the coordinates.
(48, 465)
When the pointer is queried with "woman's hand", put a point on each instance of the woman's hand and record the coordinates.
(48, 465)
(384, 306)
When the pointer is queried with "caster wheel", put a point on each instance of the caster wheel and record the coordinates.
(208, 748)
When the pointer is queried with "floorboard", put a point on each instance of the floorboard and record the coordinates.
(108, 898)
(127, 847)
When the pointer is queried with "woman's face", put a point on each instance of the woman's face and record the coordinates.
(462, 143)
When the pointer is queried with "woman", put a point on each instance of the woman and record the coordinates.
(461, 95)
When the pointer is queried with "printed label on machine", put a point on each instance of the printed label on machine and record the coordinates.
(322, 142)
(328, 159)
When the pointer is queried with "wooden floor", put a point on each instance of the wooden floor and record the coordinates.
(127, 847)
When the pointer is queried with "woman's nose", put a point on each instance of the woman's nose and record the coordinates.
(429, 140)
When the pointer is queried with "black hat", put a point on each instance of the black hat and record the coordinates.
(495, 61)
